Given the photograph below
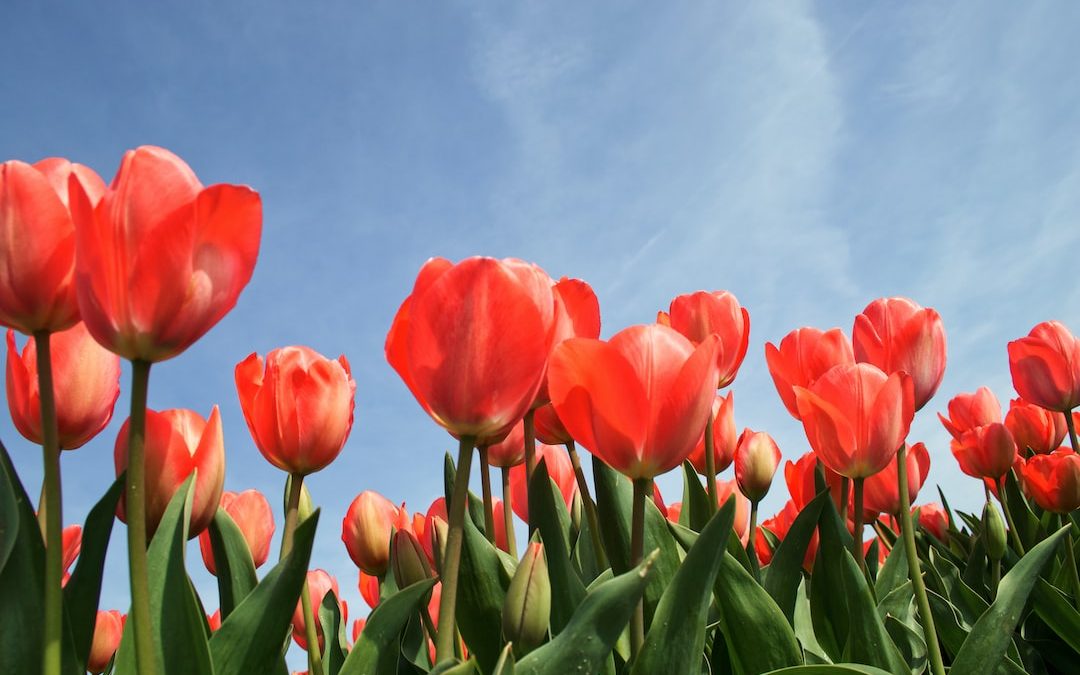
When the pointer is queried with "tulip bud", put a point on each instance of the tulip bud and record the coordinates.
(366, 531)
(1053, 480)
(994, 532)
(108, 627)
(527, 609)
(408, 559)
(756, 460)
(440, 530)
(252, 515)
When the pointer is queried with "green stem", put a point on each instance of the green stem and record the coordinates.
(489, 507)
(589, 504)
(845, 489)
(135, 510)
(710, 466)
(1013, 534)
(1071, 424)
(530, 446)
(295, 487)
(1070, 562)
(637, 546)
(311, 634)
(937, 666)
(508, 513)
(54, 545)
(860, 557)
(751, 550)
(444, 645)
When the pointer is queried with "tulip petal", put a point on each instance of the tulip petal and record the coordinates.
(684, 410)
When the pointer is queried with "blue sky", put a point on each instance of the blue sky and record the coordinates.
(808, 157)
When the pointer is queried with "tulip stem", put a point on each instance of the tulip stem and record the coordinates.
(637, 546)
(937, 666)
(857, 545)
(311, 635)
(444, 645)
(295, 486)
(1003, 498)
(530, 445)
(710, 466)
(751, 550)
(51, 503)
(485, 482)
(135, 510)
(1071, 424)
(508, 513)
(589, 504)
(845, 488)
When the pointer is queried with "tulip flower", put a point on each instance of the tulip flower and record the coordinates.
(161, 259)
(1045, 367)
(1034, 428)
(559, 470)
(988, 451)
(251, 512)
(756, 459)
(725, 437)
(298, 406)
(1053, 480)
(801, 484)
(71, 537)
(804, 355)
(426, 531)
(897, 335)
(410, 564)
(177, 443)
(549, 428)
(881, 490)
(577, 314)
(319, 583)
(86, 384)
(367, 528)
(967, 411)
(357, 628)
(778, 526)
(369, 589)
(934, 519)
(728, 489)
(510, 451)
(214, 621)
(108, 628)
(701, 314)
(37, 262)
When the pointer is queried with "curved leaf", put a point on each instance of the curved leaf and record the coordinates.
(785, 572)
(482, 584)
(378, 640)
(567, 589)
(830, 669)
(1057, 613)
(695, 502)
(334, 647)
(232, 559)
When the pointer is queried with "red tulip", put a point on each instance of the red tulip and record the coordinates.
(779, 525)
(37, 260)
(756, 459)
(897, 335)
(658, 499)
(559, 470)
(577, 314)
(472, 342)
(71, 539)
(86, 383)
(881, 492)
(108, 628)
(988, 451)
(933, 519)
(369, 589)
(214, 620)
(967, 411)
(510, 450)
(801, 484)
(701, 314)
(725, 436)
(177, 443)
(549, 428)
(251, 513)
(1045, 367)
(804, 355)
(160, 259)
(298, 406)
(638, 401)
(366, 530)
(357, 628)
(426, 533)
(856, 417)
(674, 512)
(1035, 428)
(1053, 480)
(727, 489)
(319, 584)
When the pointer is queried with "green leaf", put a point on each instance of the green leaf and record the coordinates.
(449, 667)
(676, 638)
(695, 504)
(9, 511)
(785, 572)
(83, 590)
(232, 559)
(482, 584)
(377, 645)
(250, 640)
(505, 664)
(177, 621)
(586, 642)
(567, 589)
(895, 571)
(989, 639)
(1052, 607)
(475, 504)
(910, 642)
(334, 647)
(830, 669)
(1027, 524)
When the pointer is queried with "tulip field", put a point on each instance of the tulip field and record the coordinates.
(861, 572)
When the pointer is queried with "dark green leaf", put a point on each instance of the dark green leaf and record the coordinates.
(449, 667)
(475, 504)
(695, 503)
(379, 638)
(1052, 607)
(785, 572)
(232, 560)
(334, 647)
(482, 584)
(910, 642)
(567, 589)
(830, 669)
(506, 663)
(1027, 523)
(895, 571)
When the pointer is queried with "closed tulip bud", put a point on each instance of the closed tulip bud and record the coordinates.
(881, 492)
(933, 519)
(1053, 480)
(988, 451)
(408, 558)
(509, 451)
(1034, 428)
(424, 532)
(37, 286)
(701, 314)
(214, 621)
(440, 530)
(756, 460)
(804, 355)
(967, 411)
(897, 335)
(298, 406)
(319, 583)
(161, 259)
(366, 531)
(108, 628)
(559, 470)
(1045, 367)
(178, 442)
(728, 489)
(994, 531)
(251, 513)
(527, 608)
(725, 436)
(86, 383)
